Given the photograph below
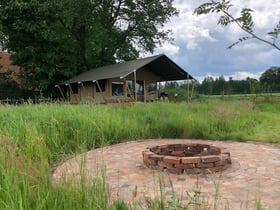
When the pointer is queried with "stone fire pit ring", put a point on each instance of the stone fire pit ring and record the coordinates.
(186, 158)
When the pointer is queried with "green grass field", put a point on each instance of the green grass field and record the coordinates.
(34, 138)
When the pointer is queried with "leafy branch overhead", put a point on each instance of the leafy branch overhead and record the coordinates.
(244, 21)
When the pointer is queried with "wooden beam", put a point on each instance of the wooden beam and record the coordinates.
(192, 90)
(135, 86)
(72, 92)
(82, 85)
(80, 92)
(61, 93)
(124, 87)
(145, 92)
(92, 89)
(188, 86)
(98, 86)
(100, 90)
(129, 91)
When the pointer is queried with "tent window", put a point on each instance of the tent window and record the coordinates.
(140, 87)
(152, 87)
(75, 88)
(117, 88)
(102, 84)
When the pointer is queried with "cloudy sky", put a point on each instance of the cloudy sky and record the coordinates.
(200, 45)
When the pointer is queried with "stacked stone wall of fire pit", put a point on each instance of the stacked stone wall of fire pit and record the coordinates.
(187, 158)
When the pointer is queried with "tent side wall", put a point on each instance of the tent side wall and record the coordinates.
(88, 92)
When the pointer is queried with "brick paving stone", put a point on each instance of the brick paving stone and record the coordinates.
(254, 173)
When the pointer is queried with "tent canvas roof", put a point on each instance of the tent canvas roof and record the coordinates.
(160, 65)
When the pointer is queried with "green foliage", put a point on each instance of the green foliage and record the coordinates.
(55, 40)
(220, 86)
(244, 21)
(271, 78)
(275, 33)
(11, 90)
(178, 92)
(25, 183)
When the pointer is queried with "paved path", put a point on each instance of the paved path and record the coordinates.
(254, 174)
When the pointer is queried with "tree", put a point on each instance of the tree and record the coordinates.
(271, 78)
(38, 42)
(219, 86)
(244, 21)
(54, 40)
(206, 86)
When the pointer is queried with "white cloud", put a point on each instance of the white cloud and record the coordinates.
(239, 75)
(242, 75)
(200, 45)
(192, 45)
(194, 32)
(168, 48)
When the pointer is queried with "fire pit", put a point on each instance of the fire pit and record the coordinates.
(187, 158)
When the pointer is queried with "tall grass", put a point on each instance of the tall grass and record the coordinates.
(33, 138)
(25, 184)
(64, 129)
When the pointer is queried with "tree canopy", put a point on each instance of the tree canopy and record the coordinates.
(54, 40)
(271, 78)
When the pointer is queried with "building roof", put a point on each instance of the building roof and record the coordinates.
(6, 65)
(160, 65)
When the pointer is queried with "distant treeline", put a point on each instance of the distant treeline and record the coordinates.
(269, 82)
(220, 86)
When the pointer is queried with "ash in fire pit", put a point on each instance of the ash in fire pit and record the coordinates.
(186, 158)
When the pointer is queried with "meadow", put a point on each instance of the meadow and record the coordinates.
(36, 137)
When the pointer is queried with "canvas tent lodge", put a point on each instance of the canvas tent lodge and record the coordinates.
(124, 82)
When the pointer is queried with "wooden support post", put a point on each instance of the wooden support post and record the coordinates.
(72, 93)
(188, 86)
(83, 85)
(159, 90)
(100, 91)
(145, 92)
(60, 91)
(92, 89)
(124, 87)
(192, 91)
(129, 91)
(98, 86)
(135, 86)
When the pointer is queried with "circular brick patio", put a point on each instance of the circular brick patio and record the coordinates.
(254, 173)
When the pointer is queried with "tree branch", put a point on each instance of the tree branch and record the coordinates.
(249, 32)
(245, 22)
